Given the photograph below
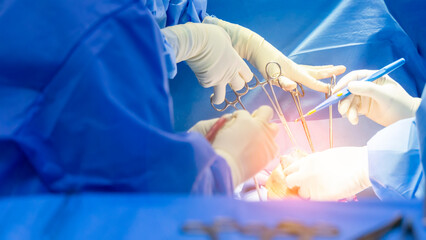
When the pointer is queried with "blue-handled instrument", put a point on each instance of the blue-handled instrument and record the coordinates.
(335, 98)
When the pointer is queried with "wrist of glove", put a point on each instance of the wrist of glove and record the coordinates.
(383, 101)
(208, 51)
(331, 175)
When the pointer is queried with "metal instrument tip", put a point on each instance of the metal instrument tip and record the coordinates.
(307, 114)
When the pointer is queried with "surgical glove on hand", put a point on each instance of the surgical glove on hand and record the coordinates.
(383, 101)
(208, 51)
(204, 126)
(247, 142)
(259, 52)
(330, 175)
(276, 183)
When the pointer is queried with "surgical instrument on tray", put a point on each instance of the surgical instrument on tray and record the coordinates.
(264, 232)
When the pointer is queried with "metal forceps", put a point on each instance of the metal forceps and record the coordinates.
(233, 103)
(274, 102)
(296, 95)
(330, 109)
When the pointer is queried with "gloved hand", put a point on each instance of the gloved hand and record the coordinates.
(333, 174)
(276, 183)
(247, 142)
(383, 101)
(208, 51)
(259, 52)
(204, 126)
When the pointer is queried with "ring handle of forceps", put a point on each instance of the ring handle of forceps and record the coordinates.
(331, 85)
(228, 103)
(294, 91)
(258, 83)
(267, 72)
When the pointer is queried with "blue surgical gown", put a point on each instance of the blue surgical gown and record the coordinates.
(85, 104)
(397, 158)
(169, 13)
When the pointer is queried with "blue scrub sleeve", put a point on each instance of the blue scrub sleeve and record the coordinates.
(394, 162)
(172, 12)
(421, 129)
(100, 115)
(170, 58)
(169, 13)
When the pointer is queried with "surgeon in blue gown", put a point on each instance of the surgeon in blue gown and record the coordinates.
(393, 160)
(85, 104)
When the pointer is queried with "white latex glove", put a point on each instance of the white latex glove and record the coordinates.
(333, 174)
(247, 142)
(208, 51)
(259, 52)
(204, 126)
(383, 101)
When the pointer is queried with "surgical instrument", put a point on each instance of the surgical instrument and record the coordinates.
(233, 103)
(295, 94)
(212, 230)
(335, 98)
(275, 104)
(330, 110)
(264, 232)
